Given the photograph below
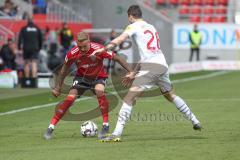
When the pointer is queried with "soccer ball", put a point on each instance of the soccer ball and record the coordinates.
(89, 129)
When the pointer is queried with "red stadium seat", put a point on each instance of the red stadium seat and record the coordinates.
(222, 2)
(197, 2)
(194, 19)
(196, 9)
(185, 2)
(183, 10)
(174, 2)
(208, 10)
(219, 19)
(221, 10)
(161, 2)
(207, 19)
(208, 2)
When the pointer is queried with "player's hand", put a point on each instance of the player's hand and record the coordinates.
(128, 79)
(56, 92)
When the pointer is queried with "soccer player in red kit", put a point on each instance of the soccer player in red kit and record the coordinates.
(90, 75)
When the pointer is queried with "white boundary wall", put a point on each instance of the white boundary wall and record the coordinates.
(204, 65)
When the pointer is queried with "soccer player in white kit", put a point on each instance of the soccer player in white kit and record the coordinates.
(152, 70)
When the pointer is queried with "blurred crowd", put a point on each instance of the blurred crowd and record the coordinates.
(11, 9)
(36, 50)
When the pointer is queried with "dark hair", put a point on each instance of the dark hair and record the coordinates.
(135, 11)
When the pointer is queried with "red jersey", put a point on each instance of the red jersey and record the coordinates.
(86, 67)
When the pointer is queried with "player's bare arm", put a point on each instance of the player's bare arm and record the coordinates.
(116, 41)
(128, 79)
(123, 63)
(112, 44)
(60, 79)
(130, 75)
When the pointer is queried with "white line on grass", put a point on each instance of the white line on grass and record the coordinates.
(200, 77)
(86, 98)
(195, 100)
(36, 107)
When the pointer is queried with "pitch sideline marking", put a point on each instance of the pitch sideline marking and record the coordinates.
(86, 98)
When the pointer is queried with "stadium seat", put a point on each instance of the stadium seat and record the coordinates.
(208, 2)
(221, 10)
(161, 2)
(207, 19)
(174, 2)
(183, 10)
(222, 2)
(219, 19)
(197, 2)
(194, 19)
(39, 17)
(196, 9)
(208, 10)
(185, 2)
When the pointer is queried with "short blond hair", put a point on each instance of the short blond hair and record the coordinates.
(82, 36)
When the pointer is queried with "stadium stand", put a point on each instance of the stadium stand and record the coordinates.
(207, 11)
(161, 2)
(49, 17)
(174, 2)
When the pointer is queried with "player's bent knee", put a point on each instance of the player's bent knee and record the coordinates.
(131, 97)
(99, 90)
(99, 93)
(129, 100)
(135, 89)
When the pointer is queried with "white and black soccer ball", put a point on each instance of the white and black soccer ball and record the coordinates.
(89, 129)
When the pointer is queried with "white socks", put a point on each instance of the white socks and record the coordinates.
(184, 109)
(51, 126)
(105, 124)
(124, 115)
(125, 112)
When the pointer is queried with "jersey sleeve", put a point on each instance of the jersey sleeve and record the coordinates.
(107, 55)
(71, 56)
(130, 30)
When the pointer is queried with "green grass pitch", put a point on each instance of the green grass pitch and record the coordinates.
(214, 100)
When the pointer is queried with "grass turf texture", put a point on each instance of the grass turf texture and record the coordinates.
(214, 100)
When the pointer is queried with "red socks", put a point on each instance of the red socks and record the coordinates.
(61, 109)
(103, 104)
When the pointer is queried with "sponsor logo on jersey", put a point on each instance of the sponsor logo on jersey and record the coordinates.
(88, 65)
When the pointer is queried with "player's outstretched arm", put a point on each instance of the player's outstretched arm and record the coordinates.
(127, 80)
(117, 41)
(111, 45)
(122, 62)
(59, 81)
(136, 68)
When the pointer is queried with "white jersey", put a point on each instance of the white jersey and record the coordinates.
(147, 39)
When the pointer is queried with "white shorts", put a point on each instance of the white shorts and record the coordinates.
(152, 75)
